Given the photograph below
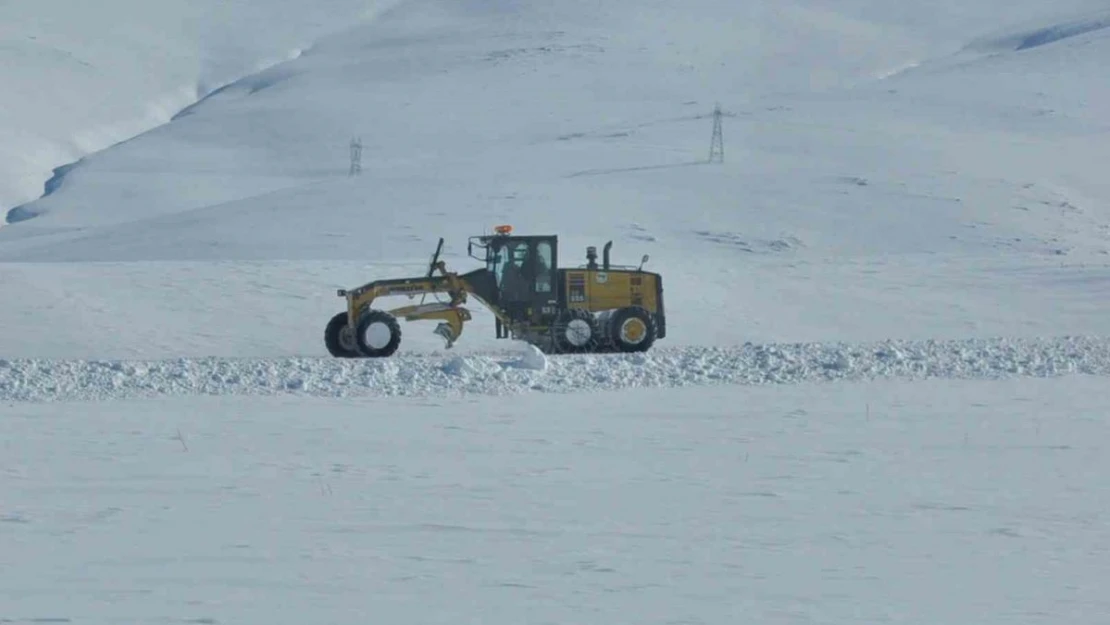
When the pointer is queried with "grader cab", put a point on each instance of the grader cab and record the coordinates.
(591, 308)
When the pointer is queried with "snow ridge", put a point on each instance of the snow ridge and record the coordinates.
(74, 380)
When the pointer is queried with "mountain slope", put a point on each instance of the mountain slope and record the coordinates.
(84, 76)
(887, 174)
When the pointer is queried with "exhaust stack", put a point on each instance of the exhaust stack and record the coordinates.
(605, 255)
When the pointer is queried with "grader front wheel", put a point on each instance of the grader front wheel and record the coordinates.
(377, 334)
(339, 338)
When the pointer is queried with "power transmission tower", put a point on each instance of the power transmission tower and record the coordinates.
(717, 145)
(356, 156)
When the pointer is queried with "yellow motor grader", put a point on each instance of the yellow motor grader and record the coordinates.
(588, 309)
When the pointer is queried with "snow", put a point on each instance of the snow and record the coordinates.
(918, 502)
(881, 393)
(512, 373)
(534, 359)
(84, 76)
(961, 198)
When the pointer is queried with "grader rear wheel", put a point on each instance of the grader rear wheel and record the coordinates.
(632, 329)
(575, 331)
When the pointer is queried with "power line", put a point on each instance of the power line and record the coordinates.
(717, 144)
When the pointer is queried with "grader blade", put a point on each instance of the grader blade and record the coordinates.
(443, 329)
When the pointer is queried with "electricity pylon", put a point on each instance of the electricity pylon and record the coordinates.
(356, 156)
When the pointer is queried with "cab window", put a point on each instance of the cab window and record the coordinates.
(509, 262)
(496, 261)
(543, 267)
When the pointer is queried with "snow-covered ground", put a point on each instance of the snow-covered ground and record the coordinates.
(879, 400)
(924, 502)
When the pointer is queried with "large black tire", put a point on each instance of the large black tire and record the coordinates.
(367, 334)
(631, 329)
(340, 338)
(575, 331)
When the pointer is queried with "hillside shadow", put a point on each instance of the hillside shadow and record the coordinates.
(1059, 32)
(1037, 37)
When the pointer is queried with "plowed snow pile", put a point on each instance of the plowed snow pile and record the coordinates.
(43, 380)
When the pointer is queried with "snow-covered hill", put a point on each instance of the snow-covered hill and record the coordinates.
(890, 173)
(908, 241)
(81, 76)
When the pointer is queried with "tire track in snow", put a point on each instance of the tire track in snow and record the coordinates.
(78, 380)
